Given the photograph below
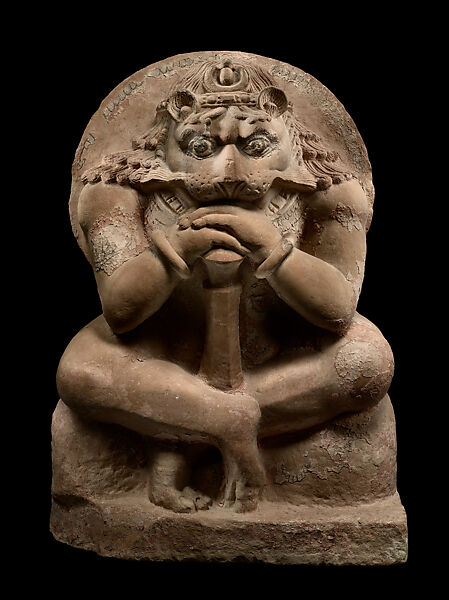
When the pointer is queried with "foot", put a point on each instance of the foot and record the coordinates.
(200, 501)
(244, 480)
(168, 476)
(186, 501)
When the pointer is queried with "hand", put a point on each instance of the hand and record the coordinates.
(191, 243)
(251, 228)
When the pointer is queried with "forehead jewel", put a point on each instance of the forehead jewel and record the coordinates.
(226, 84)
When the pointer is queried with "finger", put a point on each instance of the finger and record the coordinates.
(213, 238)
(247, 232)
(187, 219)
(225, 222)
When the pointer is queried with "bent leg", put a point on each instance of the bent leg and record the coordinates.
(105, 379)
(347, 374)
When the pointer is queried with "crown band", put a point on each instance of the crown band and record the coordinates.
(222, 99)
(228, 99)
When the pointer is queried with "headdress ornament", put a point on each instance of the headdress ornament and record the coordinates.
(226, 84)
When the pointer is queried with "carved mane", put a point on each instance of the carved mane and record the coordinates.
(148, 150)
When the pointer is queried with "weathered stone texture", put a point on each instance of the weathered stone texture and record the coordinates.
(230, 403)
(368, 534)
(331, 499)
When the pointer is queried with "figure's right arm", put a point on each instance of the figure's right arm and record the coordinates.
(133, 282)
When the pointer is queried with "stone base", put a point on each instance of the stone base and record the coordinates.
(131, 528)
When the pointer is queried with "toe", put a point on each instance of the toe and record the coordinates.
(200, 501)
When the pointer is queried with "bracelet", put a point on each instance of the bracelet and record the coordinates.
(277, 256)
(176, 262)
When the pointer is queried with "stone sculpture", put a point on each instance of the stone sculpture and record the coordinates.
(230, 402)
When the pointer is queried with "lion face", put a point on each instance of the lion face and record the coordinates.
(228, 153)
(229, 146)
(220, 146)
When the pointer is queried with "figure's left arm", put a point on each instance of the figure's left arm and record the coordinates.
(321, 280)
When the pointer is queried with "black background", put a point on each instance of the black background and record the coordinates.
(370, 66)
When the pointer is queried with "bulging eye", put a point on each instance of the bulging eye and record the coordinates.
(258, 146)
(201, 147)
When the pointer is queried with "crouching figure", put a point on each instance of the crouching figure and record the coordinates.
(228, 244)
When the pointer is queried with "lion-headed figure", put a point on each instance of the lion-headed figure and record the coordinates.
(206, 95)
(227, 174)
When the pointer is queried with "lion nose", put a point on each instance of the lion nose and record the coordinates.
(228, 164)
(229, 172)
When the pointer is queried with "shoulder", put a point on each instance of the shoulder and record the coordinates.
(106, 193)
(101, 198)
(345, 196)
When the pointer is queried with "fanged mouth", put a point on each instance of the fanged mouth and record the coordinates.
(230, 190)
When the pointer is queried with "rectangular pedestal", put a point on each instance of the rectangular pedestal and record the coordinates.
(133, 528)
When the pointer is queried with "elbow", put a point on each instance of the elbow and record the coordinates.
(339, 325)
(120, 323)
(337, 317)
(119, 326)
(334, 312)
(123, 316)
(124, 312)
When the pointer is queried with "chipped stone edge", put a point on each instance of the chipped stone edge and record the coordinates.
(366, 534)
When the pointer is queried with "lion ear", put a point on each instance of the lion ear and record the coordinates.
(273, 101)
(181, 104)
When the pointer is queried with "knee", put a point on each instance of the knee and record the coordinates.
(238, 421)
(365, 368)
(79, 381)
